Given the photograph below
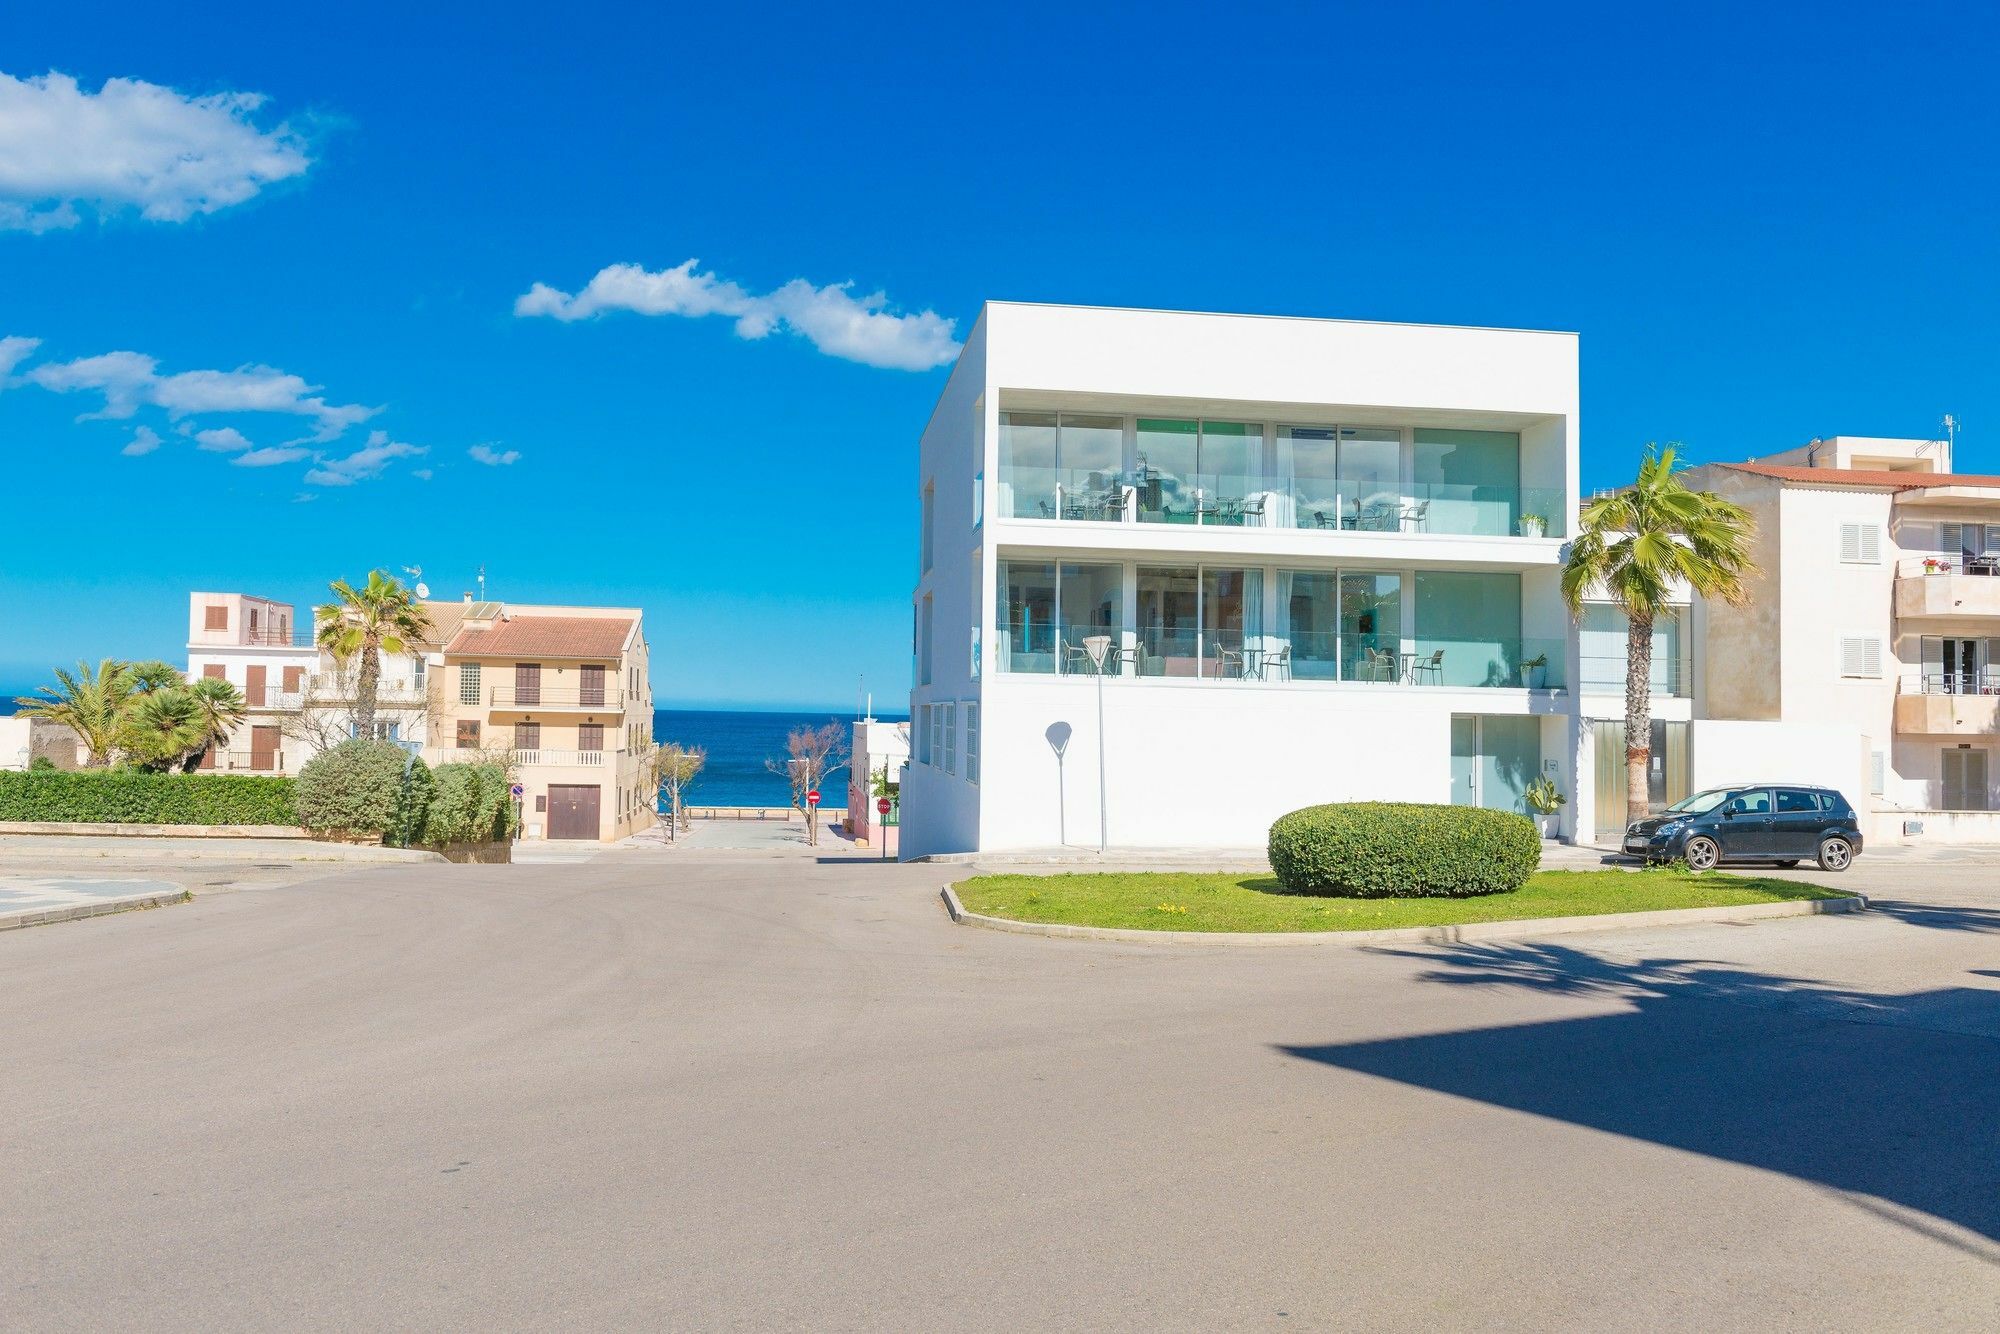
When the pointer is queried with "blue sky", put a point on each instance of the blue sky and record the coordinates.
(1766, 227)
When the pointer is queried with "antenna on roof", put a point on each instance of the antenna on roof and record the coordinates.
(482, 581)
(1951, 432)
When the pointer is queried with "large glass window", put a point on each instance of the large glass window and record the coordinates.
(1231, 475)
(1028, 464)
(1062, 466)
(1309, 605)
(1601, 635)
(1342, 476)
(1048, 610)
(1466, 482)
(1169, 621)
(1166, 467)
(1371, 626)
(1468, 629)
(1232, 623)
(1027, 606)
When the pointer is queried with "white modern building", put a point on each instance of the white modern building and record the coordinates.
(1317, 561)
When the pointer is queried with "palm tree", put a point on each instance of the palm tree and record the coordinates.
(360, 624)
(164, 727)
(1634, 545)
(91, 704)
(222, 708)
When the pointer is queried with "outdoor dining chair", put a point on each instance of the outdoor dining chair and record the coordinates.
(1433, 667)
(1417, 516)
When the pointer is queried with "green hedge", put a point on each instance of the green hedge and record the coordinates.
(360, 789)
(124, 796)
(1386, 849)
(469, 805)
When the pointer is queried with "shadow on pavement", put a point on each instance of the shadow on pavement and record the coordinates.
(1891, 1098)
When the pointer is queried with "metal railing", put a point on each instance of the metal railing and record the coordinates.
(553, 697)
(1987, 565)
(1938, 681)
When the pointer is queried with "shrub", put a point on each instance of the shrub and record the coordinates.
(129, 796)
(1386, 849)
(358, 790)
(470, 805)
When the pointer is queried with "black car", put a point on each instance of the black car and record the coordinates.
(1785, 825)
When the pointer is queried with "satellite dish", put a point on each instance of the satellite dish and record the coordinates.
(423, 590)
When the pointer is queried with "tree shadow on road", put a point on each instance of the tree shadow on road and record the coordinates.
(1891, 1100)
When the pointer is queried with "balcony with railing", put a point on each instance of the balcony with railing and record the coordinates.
(547, 758)
(1330, 505)
(599, 698)
(1948, 585)
(1937, 701)
(244, 761)
(1604, 674)
(1191, 654)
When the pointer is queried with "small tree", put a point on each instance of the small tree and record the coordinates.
(811, 753)
(675, 767)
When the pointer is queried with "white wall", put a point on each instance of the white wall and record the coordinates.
(1212, 765)
(1820, 755)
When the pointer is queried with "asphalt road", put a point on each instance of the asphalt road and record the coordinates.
(731, 1089)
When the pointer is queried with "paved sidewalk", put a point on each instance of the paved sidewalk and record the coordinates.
(34, 900)
(75, 847)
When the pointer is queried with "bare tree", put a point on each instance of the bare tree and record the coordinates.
(675, 768)
(328, 713)
(811, 753)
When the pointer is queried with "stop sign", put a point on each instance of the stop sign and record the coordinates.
(882, 806)
(812, 797)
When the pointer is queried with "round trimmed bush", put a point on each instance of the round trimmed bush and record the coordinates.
(358, 790)
(1393, 849)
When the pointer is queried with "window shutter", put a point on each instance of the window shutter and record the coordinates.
(1860, 544)
(1860, 656)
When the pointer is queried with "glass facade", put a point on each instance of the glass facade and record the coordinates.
(1234, 473)
(1601, 635)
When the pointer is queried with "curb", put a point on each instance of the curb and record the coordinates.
(1523, 928)
(45, 916)
(311, 853)
(92, 829)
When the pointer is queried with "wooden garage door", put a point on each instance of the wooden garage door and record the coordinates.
(573, 811)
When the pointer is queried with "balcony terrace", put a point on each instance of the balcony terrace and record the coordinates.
(548, 699)
(1939, 586)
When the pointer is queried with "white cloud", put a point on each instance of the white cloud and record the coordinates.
(363, 463)
(222, 440)
(270, 456)
(494, 458)
(13, 351)
(135, 145)
(144, 441)
(831, 318)
(129, 380)
(422, 474)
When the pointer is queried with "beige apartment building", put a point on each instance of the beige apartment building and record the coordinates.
(1869, 656)
(566, 692)
(561, 693)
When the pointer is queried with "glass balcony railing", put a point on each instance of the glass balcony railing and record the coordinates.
(1230, 655)
(1605, 675)
(1251, 501)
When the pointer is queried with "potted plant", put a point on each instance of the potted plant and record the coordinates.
(1936, 564)
(1535, 671)
(1544, 799)
(1533, 525)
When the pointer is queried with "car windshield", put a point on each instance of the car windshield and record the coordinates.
(1700, 803)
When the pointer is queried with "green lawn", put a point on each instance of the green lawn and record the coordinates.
(1187, 901)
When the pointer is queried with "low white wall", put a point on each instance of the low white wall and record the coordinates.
(1213, 766)
(14, 742)
(1725, 752)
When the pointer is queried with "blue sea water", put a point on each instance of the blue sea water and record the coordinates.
(738, 743)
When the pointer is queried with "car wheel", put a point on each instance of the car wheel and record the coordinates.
(1702, 853)
(1835, 854)
(1787, 864)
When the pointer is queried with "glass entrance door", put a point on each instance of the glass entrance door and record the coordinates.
(1464, 761)
(1493, 760)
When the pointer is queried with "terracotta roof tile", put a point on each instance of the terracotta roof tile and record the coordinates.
(530, 636)
(1869, 477)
